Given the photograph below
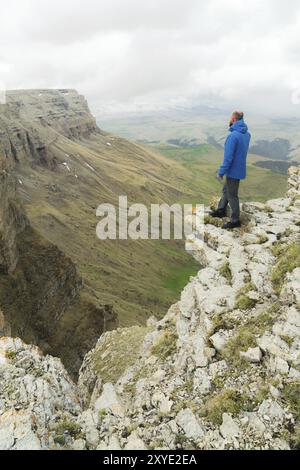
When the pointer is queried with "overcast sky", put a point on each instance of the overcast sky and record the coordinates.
(124, 54)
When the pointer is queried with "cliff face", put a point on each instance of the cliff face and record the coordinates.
(31, 121)
(40, 288)
(219, 371)
(37, 281)
(12, 220)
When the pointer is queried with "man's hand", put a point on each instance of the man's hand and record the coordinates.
(219, 178)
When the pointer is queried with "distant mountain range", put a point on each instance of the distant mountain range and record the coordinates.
(277, 139)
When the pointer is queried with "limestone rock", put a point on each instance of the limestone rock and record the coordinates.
(229, 429)
(253, 355)
(217, 368)
(109, 401)
(187, 421)
(135, 443)
(219, 340)
(187, 302)
(17, 432)
(79, 444)
(272, 409)
(202, 382)
(256, 424)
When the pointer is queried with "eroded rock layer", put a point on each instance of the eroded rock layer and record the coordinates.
(31, 121)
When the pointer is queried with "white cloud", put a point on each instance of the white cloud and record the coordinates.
(126, 52)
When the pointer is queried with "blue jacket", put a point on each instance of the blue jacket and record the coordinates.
(236, 150)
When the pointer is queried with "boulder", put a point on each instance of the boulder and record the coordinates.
(202, 382)
(253, 355)
(135, 443)
(229, 428)
(191, 427)
(109, 401)
(272, 410)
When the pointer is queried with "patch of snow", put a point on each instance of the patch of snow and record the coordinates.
(67, 166)
(90, 167)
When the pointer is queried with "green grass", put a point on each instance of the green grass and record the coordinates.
(118, 352)
(187, 156)
(202, 163)
(246, 334)
(244, 340)
(225, 271)
(228, 401)
(69, 427)
(245, 303)
(11, 355)
(209, 220)
(222, 322)
(291, 396)
(288, 260)
(166, 345)
(177, 279)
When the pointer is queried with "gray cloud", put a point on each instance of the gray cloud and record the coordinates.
(127, 53)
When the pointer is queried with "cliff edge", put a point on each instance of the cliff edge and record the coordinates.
(220, 371)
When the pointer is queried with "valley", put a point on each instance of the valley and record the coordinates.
(72, 286)
(192, 125)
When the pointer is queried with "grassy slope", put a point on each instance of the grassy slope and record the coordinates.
(138, 278)
(203, 162)
(133, 276)
(179, 124)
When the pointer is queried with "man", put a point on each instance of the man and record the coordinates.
(234, 168)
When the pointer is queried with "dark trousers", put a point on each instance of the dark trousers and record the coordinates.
(230, 195)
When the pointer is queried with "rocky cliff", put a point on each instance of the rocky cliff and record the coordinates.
(12, 220)
(219, 371)
(32, 120)
(37, 281)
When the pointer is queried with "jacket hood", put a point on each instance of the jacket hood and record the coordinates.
(239, 126)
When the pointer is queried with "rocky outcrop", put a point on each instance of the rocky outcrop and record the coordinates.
(37, 281)
(12, 220)
(219, 371)
(43, 284)
(293, 183)
(5, 329)
(31, 120)
(36, 393)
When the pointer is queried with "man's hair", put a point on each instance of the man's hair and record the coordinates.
(238, 115)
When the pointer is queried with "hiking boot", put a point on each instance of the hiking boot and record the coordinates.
(231, 225)
(218, 214)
